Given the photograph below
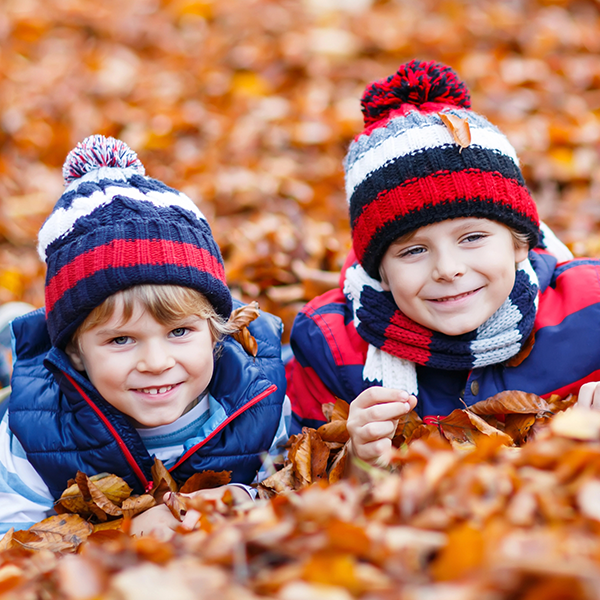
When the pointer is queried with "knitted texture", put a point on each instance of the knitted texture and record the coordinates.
(397, 342)
(405, 171)
(114, 228)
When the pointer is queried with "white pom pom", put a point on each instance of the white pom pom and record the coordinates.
(98, 151)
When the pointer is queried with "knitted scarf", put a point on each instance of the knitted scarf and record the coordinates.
(396, 343)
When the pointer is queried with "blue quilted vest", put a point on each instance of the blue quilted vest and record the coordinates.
(65, 425)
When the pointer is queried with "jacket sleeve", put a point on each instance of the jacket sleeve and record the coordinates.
(24, 497)
(328, 359)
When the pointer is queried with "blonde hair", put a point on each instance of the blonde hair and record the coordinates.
(167, 304)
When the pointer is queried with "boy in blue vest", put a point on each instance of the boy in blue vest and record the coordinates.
(131, 358)
(449, 295)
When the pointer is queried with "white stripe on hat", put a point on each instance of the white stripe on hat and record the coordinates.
(417, 140)
(62, 220)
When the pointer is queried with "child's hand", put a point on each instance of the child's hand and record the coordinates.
(589, 395)
(373, 419)
(159, 521)
(193, 516)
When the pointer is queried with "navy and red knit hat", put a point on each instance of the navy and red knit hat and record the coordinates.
(114, 228)
(405, 170)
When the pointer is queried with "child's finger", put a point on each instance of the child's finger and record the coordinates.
(586, 394)
(375, 430)
(372, 451)
(385, 411)
(380, 395)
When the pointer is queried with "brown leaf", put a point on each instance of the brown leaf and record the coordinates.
(518, 426)
(327, 409)
(91, 492)
(176, 505)
(162, 479)
(247, 340)
(464, 426)
(558, 404)
(241, 318)
(309, 455)
(335, 430)
(59, 533)
(408, 424)
(510, 401)
(134, 505)
(459, 128)
(281, 481)
(338, 467)
(205, 480)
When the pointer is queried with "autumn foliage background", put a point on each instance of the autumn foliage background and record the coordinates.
(248, 106)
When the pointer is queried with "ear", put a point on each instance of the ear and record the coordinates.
(75, 357)
(521, 253)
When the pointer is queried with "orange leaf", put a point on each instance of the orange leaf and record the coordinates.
(510, 401)
(407, 426)
(464, 426)
(205, 480)
(241, 318)
(163, 480)
(338, 467)
(518, 426)
(309, 455)
(337, 415)
(459, 128)
(462, 554)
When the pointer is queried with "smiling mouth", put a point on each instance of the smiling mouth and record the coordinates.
(454, 298)
(155, 390)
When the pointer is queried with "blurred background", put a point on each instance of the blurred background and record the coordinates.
(248, 107)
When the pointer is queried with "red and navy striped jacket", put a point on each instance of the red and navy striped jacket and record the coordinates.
(329, 354)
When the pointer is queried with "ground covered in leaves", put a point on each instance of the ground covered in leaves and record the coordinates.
(248, 106)
(473, 509)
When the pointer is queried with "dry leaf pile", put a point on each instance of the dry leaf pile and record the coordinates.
(471, 516)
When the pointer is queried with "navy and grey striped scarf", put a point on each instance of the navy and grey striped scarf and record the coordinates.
(396, 343)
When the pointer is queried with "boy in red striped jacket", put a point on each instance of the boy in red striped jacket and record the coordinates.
(449, 295)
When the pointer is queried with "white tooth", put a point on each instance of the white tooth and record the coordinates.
(163, 390)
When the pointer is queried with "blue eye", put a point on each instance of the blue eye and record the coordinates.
(474, 237)
(121, 340)
(179, 332)
(412, 251)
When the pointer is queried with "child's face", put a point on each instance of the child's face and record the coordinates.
(454, 275)
(151, 372)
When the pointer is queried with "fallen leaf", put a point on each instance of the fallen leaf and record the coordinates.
(459, 128)
(205, 480)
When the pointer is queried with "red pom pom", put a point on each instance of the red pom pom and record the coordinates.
(415, 83)
(98, 151)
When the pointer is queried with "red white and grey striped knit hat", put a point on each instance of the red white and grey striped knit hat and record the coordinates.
(405, 170)
(114, 228)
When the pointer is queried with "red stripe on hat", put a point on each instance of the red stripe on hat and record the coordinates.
(434, 190)
(130, 253)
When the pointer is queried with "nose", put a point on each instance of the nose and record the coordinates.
(154, 357)
(448, 265)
